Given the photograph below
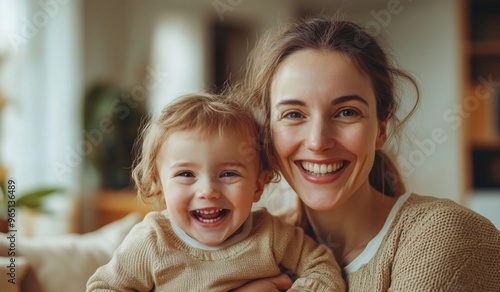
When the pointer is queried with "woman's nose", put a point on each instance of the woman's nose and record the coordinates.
(319, 136)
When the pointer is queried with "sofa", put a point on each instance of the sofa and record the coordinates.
(60, 262)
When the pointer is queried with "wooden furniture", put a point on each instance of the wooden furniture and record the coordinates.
(481, 101)
(112, 205)
(482, 67)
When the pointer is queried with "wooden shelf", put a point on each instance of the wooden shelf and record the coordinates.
(112, 205)
(487, 144)
(485, 48)
(482, 58)
(481, 124)
(482, 48)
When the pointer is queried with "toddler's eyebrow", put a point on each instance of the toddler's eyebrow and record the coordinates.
(234, 164)
(183, 164)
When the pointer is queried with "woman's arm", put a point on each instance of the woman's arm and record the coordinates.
(313, 264)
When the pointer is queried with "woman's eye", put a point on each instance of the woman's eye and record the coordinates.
(293, 115)
(347, 113)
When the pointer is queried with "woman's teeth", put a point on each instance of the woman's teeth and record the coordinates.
(321, 169)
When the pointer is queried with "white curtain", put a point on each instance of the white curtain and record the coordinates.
(179, 50)
(41, 122)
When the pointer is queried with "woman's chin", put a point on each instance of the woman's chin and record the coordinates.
(319, 201)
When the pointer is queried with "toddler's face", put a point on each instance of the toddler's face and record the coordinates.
(209, 184)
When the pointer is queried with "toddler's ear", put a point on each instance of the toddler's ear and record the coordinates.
(159, 198)
(161, 201)
(263, 179)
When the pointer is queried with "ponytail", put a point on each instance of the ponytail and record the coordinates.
(385, 176)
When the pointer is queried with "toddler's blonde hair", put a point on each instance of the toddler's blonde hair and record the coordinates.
(207, 114)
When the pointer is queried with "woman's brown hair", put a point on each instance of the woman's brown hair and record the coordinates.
(362, 48)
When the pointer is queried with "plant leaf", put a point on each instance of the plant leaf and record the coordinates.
(34, 198)
(3, 189)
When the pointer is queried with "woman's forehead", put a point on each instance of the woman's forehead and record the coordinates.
(310, 73)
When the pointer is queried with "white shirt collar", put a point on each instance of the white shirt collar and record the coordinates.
(374, 244)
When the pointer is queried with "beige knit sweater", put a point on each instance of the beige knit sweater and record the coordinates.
(152, 257)
(433, 245)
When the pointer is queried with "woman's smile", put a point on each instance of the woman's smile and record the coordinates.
(324, 172)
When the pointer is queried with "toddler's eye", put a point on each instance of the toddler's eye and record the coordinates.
(185, 174)
(293, 115)
(229, 174)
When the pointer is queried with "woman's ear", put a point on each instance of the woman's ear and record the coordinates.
(382, 135)
(263, 179)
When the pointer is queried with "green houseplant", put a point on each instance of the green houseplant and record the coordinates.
(10, 201)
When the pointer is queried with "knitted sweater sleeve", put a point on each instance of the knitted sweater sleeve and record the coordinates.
(131, 267)
(313, 264)
(449, 248)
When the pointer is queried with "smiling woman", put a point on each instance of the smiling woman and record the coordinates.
(328, 105)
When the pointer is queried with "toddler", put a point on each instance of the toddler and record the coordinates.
(201, 158)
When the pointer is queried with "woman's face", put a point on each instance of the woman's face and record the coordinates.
(324, 126)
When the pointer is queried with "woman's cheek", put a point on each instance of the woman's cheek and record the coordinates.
(284, 141)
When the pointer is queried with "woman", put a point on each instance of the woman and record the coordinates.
(325, 91)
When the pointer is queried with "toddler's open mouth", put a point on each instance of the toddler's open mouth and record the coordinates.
(209, 216)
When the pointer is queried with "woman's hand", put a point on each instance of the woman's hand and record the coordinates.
(272, 284)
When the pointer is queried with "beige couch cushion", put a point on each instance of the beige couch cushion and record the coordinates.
(12, 272)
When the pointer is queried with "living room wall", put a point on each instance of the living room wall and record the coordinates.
(118, 42)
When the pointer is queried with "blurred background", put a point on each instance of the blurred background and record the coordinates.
(78, 77)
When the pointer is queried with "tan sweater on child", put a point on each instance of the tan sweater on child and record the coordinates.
(152, 257)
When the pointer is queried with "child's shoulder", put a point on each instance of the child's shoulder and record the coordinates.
(154, 218)
(262, 217)
(155, 224)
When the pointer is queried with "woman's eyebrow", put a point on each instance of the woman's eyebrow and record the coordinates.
(290, 102)
(347, 98)
(335, 101)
